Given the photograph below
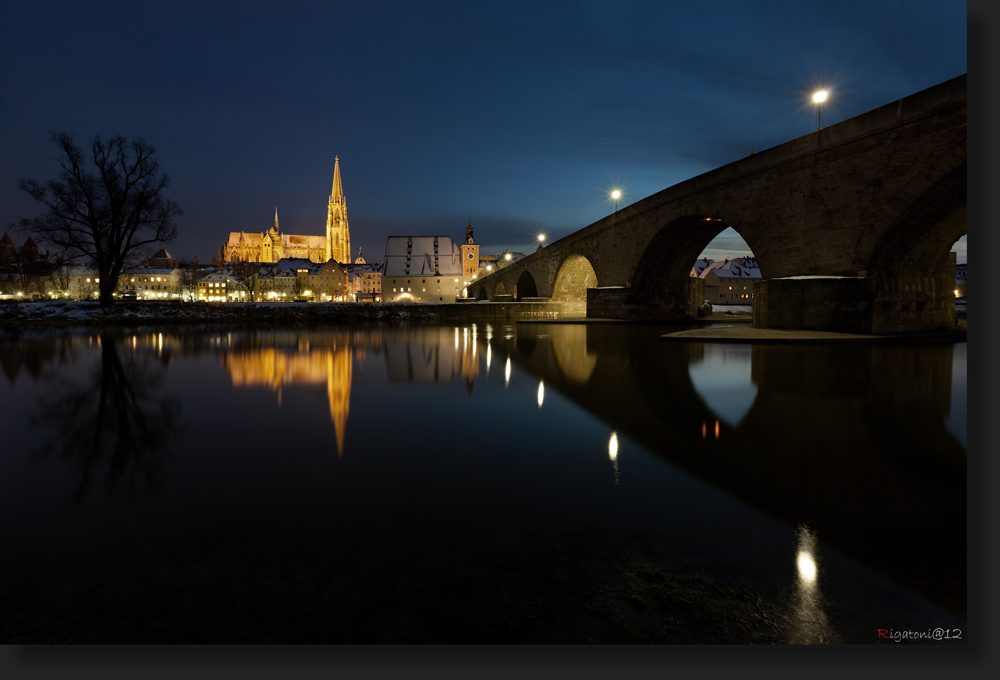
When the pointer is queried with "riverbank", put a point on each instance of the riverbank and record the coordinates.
(749, 334)
(58, 313)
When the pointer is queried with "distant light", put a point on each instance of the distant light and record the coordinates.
(541, 392)
(506, 373)
(616, 194)
(541, 237)
(508, 256)
(820, 97)
(956, 292)
(613, 446)
(807, 566)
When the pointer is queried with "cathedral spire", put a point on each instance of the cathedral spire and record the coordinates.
(338, 236)
(338, 190)
(276, 219)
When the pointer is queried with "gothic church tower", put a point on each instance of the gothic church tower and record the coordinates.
(338, 236)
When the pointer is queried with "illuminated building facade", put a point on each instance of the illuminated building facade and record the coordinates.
(424, 269)
(272, 245)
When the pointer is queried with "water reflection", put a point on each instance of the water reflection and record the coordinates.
(274, 367)
(613, 453)
(427, 355)
(111, 418)
(809, 624)
(850, 438)
(724, 380)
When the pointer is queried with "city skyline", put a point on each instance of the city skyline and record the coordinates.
(523, 121)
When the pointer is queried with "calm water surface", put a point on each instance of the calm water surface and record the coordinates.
(479, 483)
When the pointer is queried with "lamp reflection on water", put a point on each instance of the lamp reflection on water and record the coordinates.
(613, 453)
(810, 625)
(506, 373)
(541, 392)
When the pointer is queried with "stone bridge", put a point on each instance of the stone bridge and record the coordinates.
(852, 227)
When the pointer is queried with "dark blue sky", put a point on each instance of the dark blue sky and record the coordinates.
(520, 115)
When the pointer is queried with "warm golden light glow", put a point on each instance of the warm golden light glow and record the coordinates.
(541, 392)
(716, 429)
(541, 237)
(616, 194)
(956, 293)
(820, 97)
(506, 373)
(807, 566)
(613, 446)
(508, 256)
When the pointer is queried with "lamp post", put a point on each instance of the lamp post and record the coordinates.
(819, 98)
(616, 195)
(541, 241)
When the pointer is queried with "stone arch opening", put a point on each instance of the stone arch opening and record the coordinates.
(526, 286)
(482, 293)
(729, 270)
(923, 235)
(499, 289)
(574, 277)
(912, 267)
(663, 284)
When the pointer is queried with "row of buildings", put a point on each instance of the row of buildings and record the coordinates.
(729, 282)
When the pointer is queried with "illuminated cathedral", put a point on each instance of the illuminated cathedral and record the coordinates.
(272, 245)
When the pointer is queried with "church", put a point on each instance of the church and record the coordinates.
(272, 245)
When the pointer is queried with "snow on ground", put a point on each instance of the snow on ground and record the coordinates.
(732, 309)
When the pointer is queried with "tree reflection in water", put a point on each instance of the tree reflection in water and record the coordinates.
(112, 418)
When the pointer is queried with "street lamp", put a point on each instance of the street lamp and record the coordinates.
(819, 98)
(616, 195)
(541, 241)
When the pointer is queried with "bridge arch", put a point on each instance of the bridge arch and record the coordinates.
(499, 289)
(923, 234)
(574, 277)
(662, 281)
(481, 293)
(526, 285)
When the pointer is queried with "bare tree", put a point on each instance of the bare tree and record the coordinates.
(248, 274)
(107, 217)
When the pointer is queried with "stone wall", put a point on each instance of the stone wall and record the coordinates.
(881, 303)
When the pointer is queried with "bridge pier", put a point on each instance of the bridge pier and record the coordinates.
(880, 303)
(623, 302)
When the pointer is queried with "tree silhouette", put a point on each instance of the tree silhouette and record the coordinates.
(107, 216)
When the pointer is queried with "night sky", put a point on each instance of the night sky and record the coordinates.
(522, 116)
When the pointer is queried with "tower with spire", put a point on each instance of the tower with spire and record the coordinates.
(470, 255)
(338, 235)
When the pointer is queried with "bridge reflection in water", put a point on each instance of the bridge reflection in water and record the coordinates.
(846, 439)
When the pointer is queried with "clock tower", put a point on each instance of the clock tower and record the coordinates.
(470, 257)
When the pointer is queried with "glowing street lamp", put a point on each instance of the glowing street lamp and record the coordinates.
(541, 241)
(819, 98)
(616, 194)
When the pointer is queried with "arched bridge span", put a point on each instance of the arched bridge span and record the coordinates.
(851, 226)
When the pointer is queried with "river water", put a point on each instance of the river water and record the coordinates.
(521, 483)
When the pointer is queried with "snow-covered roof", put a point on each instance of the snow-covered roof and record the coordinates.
(293, 264)
(738, 268)
(699, 266)
(415, 256)
(152, 271)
